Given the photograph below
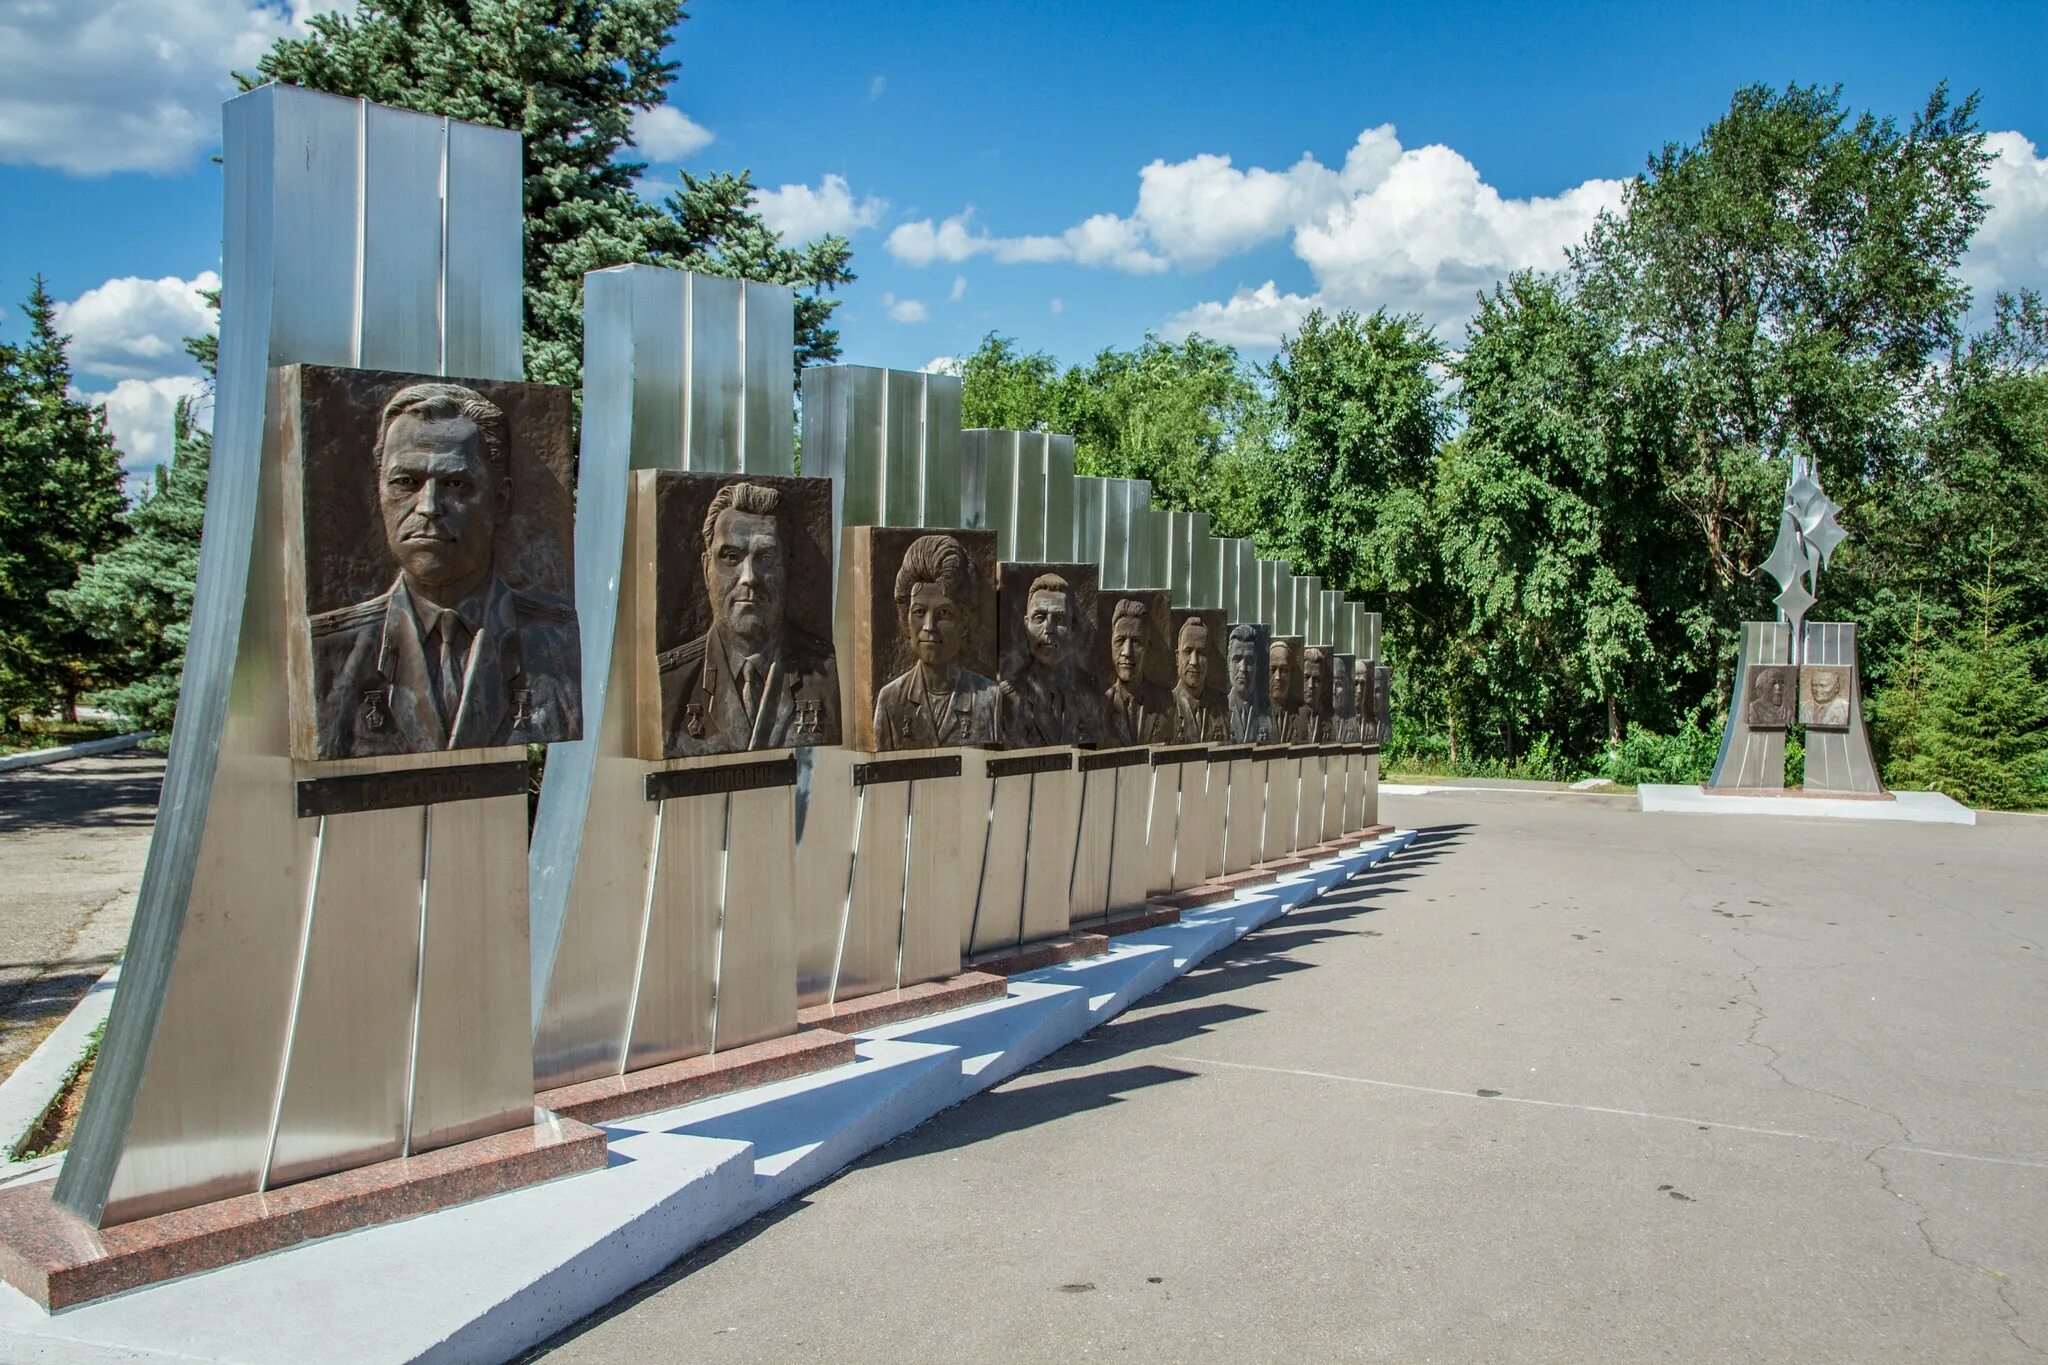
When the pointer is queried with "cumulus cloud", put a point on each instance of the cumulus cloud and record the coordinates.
(135, 329)
(942, 364)
(1057, 306)
(2010, 250)
(1101, 240)
(90, 87)
(905, 310)
(665, 133)
(799, 213)
(1250, 317)
(140, 414)
(876, 85)
(959, 288)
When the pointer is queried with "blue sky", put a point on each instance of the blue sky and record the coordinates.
(1072, 175)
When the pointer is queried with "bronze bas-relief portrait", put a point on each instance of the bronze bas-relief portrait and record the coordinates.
(918, 642)
(1051, 692)
(1131, 628)
(1199, 668)
(1283, 685)
(938, 700)
(1343, 698)
(1248, 715)
(431, 537)
(1381, 728)
(1310, 721)
(742, 611)
(1824, 697)
(1773, 691)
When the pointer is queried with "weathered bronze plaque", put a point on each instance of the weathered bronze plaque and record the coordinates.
(1382, 728)
(905, 769)
(1199, 713)
(1310, 721)
(735, 613)
(1247, 708)
(726, 778)
(921, 612)
(1283, 684)
(429, 526)
(1773, 692)
(1030, 763)
(1052, 684)
(1132, 633)
(1824, 696)
(1343, 698)
(410, 787)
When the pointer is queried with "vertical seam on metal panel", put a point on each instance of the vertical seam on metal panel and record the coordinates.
(688, 323)
(860, 810)
(1024, 880)
(724, 908)
(903, 901)
(640, 954)
(419, 976)
(741, 456)
(981, 883)
(355, 344)
(441, 291)
(291, 1019)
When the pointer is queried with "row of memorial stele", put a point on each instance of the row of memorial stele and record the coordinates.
(436, 597)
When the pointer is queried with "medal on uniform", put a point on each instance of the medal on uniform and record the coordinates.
(373, 710)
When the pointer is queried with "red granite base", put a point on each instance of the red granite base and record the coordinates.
(1137, 921)
(910, 1002)
(1046, 952)
(699, 1078)
(1797, 792)
(60, 1262)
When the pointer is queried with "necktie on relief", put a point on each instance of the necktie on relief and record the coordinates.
(448, 683)
(750, 690)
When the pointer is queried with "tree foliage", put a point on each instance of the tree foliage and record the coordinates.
(568, 75)
(60, 504)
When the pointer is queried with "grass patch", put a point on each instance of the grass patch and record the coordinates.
(52, 1133)
(40, 732)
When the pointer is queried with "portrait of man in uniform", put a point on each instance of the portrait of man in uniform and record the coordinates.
(1382, 728)
(1311, 722)
(1283, 663)
(754, 678)
(1364, 704)
(1134, 710)
(937, 701)
(1198, 711)
(450, 655)
(1250, 719)
(1824, 697)
(1049, 697)
(1773, 690)
(1343, 715)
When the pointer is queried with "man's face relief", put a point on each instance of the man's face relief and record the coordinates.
(1241, 662)
(440, 502)
(1193, 660)
(937, 626)
(1127, 651)
(744, 568)
(1312, 685)
(1276, 676)
(1826, 687)
(1050, 627)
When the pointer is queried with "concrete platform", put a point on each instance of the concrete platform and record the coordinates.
(1927, 808)
(486, 1281)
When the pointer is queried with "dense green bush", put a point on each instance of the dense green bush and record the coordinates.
(1972, 724)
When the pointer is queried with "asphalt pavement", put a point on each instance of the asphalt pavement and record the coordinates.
(73, 837)
(1564, 1083)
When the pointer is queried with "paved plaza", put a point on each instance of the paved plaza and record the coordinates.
(1564, 1082)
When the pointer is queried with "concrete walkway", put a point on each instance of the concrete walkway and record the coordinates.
(73, 837)
(1563, 1083)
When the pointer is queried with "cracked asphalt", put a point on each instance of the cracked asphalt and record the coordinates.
(73, 837)
(1564, 1083)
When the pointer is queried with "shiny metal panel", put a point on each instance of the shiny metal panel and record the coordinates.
(1244, 814)
(1129, 859)
(1028, 513)
(1146, 566)
(1333, 794)
(1162, 827)
(754, 993)
(1839, 760)
(871, 939)
(1116, 533)
(1369, 811)
(1276, 608)
(473, 993)
(938, 878)
(400, 327)
(670, 1008)
(1753, 758)
(1356, 783)
(1325, 632)
(1049, 857)
(945, 497)
(1283, 799)
(1247, 584)
(999, 458)
(1308, 601)
(355, 992)
(1206, 588)
(1095, 833)
(1208, 861)
(1180, 558)
(903, 449)
(973, 484)
(1227, 589)
(996, 824)
(714, 396)
(1091, 514)
(1308, 802)
(768, 383)
(826, 797)
(1060, 537)
(482, 302)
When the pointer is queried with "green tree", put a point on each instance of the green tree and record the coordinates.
(136, 598)
(60, 504)
(1977, 727)
(568, 75)
(1003, 388)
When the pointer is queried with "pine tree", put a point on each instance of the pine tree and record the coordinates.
(60, 504)
(1981, 733)
(568, 75)
(136, 599)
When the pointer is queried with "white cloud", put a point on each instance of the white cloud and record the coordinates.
(1102, 240)
(665, 133)
(905, 310)
(942, 364)
(2010, 250)
(876, 85)
(139, 413)
(1250, 317)
(1057, 306)
(96, 86)
(131, 328)
(959, 288)
(798, 213)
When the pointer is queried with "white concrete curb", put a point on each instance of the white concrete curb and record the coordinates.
(33, 1087)
(485, 1281)
(38, 757)
(1927, 808)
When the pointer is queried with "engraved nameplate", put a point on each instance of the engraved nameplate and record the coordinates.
(905, 770)
(1234, 754)
(1302, 751)
(1270, 750)
(1113, 758)
(416, 787)
(1333, 750)
(1031, 763)
(1185, 753)
(729, 777)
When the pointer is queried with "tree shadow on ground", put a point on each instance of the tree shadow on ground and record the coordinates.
(118, 792)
